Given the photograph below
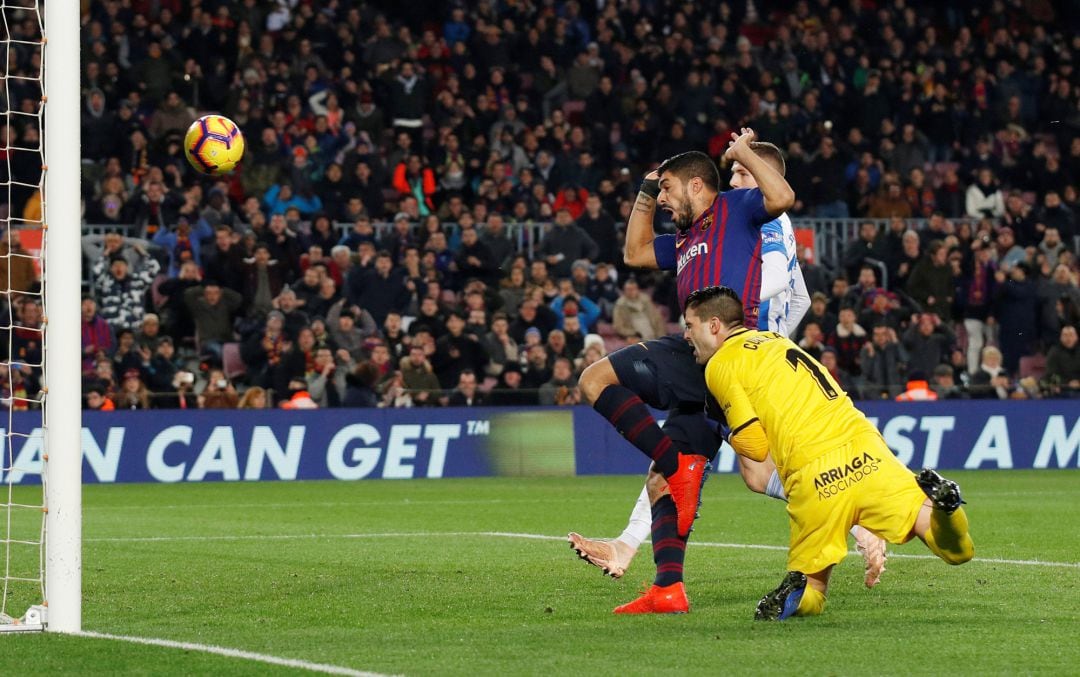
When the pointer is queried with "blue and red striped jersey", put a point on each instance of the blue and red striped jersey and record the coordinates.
(722, 247)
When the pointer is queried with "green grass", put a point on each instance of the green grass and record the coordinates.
(351, 588)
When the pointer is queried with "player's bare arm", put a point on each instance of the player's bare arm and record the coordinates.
(639, 228)
(779, 197)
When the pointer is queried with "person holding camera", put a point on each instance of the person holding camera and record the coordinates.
(218, 393)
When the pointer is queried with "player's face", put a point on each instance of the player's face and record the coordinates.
(741, 177)
(674, 198)
(701, 334)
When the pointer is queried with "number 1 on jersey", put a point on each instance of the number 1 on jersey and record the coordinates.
(795, 357)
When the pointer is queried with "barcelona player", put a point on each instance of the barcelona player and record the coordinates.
(784, 301)
(836, 468)
(718, 241)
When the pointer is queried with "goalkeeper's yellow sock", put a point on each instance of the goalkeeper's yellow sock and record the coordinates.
(948, 536)
(812, 603)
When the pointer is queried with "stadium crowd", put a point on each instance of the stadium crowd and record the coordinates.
(428, 127)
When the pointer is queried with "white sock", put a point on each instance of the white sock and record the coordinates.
(775, 487)
(640, 526)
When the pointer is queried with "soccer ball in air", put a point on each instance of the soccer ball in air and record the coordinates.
(214, 145)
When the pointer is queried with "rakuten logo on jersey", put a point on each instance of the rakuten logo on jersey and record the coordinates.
(700, 249)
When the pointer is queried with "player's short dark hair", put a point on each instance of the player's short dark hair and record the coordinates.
(692, 164)
(721, 302)
(771, 154)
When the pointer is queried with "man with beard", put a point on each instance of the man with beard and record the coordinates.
(718, 242)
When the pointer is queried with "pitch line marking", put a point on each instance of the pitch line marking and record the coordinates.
(233, 653)
(537, 537)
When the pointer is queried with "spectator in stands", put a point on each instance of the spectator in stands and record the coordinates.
(984, 197)
(1051, 246)
(161, 369)
(494, 237)
(532, 315)
(1060, 288)
(945, 384)
(1063, 364)
(413, 177)
(379, 290)
(869, 245)
(508, 392)
(97, 335)
(219, 392)
(882, 359)
(560, 389)
(467, 393)
(264, 278)
(133, 393)
(599, 225)
(813, 339)
(1009, 254)
(1016, 308)
(455, 352)
(474, 259)
(96, 399)
(889, 202)
(212, 309)
(536, 371)
(225, 262)
(819, 314)
(359, 391)
(500, 347)
(930, 284)
(183, 243)
(950, 197)
(566, 243)
(991, 380)
(253, 398)
(827, 195)
(635, 315)
(603, 289)
(847, 340)
(122, 289)
(327, 381)
(830, 360)
(1055, 214)
(928, 342)
(419, 377)
(976, 302)
(905, 260)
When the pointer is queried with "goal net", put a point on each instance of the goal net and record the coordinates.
(40, 524)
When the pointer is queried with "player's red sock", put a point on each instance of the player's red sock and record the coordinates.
(632, 419)
(669, 549)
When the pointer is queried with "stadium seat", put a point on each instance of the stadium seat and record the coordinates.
(231, 361)
(1033, 366)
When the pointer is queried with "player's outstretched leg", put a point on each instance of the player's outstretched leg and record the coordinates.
(612, 556)
(626, 411)
(667, 594)
(944, 528)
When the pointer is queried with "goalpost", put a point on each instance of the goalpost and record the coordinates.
(50, 527)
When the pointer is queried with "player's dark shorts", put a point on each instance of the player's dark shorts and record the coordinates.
(665, 375)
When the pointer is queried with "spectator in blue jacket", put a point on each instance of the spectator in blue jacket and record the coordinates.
(280, 197)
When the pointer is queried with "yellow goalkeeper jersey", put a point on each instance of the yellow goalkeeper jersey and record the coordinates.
(763, 376)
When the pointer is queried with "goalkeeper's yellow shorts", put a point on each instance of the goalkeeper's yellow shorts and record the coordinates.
(860, 482)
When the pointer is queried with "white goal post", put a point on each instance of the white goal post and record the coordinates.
(58, 580)
(62, 284)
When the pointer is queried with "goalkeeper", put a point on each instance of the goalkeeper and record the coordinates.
(835, 467)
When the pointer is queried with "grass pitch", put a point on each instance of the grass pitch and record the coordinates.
(407, 577)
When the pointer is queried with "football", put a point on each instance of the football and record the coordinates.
(214, 145)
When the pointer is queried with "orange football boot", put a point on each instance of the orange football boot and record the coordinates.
(670, 599)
